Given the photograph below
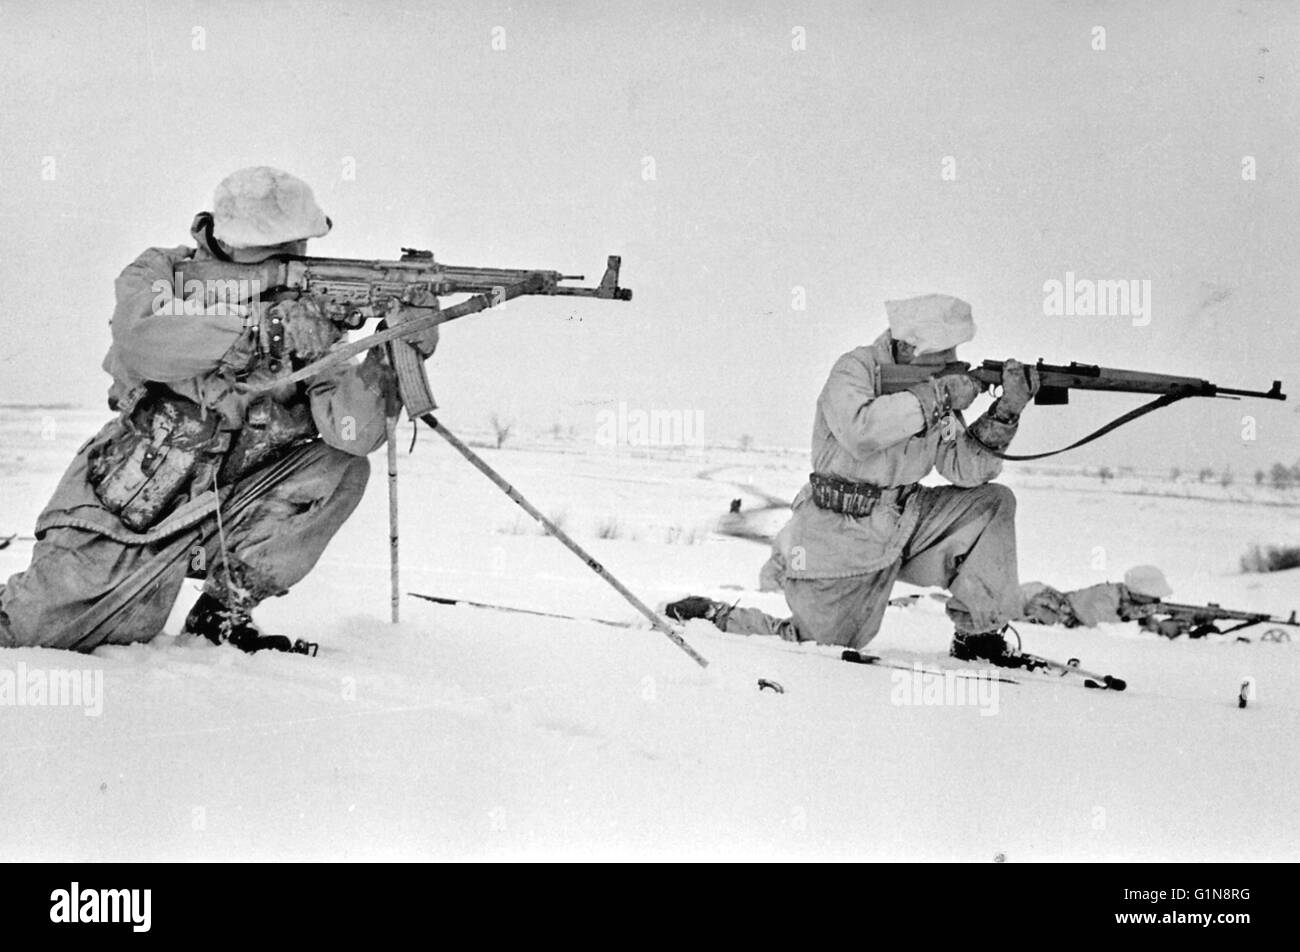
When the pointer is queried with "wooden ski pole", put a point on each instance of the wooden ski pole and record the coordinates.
(390, 427)
(478, 463)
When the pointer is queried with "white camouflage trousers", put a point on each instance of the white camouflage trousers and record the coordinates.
(84, 589)
(964, 541)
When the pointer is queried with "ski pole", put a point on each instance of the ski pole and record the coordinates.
(560, 534)
(395, 593)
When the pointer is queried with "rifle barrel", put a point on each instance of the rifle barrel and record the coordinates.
(1273, 393)
(1213, 611)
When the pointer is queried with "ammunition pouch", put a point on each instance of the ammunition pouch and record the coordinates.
(270, 430)
(854, 499)
(165, 450)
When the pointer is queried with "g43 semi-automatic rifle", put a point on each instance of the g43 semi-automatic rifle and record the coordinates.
(403, 293)
(1055, 384)
(1197, 621)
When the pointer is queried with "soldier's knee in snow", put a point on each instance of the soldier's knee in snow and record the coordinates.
(353, 472)
(1002, 496)
(357, 473)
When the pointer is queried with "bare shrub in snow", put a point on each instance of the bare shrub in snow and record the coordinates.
(501, 429)
(560, 519)
(682, 535)
(1274, 558)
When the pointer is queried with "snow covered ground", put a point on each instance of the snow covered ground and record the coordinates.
(472, 734)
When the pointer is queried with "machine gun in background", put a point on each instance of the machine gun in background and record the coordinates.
(1196, 621)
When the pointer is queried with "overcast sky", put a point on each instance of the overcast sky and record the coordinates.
(733, 153)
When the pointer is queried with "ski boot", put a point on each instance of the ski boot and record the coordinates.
(989, 646)
(222, 625)
(696, 606)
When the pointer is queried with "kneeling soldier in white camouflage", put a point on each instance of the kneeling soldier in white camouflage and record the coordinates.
(862, 522)
(136, 512)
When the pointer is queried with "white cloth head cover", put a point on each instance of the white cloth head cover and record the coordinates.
(1147, 580)
(930, 323)
(260, 206)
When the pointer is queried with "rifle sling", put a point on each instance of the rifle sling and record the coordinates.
(1161, 401)
(342, 353)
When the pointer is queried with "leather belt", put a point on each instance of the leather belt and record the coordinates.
(854, 499)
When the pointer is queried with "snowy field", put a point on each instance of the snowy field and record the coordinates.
(464, 733)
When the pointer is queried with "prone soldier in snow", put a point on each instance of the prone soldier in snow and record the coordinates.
(1134, 599)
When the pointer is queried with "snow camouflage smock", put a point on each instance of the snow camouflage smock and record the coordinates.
(94, 581)
(194, 355)
(866, 437)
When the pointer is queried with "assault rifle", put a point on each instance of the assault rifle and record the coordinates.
(403, 293)
(1197, 621)
(1056, 382)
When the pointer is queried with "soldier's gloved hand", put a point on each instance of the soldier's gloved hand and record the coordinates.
(1018, 386)
(938, 395)
(426, 342)
(959, 390)
(305, 331)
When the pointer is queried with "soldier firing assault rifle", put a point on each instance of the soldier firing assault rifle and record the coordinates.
(244, 424)
(404, 295)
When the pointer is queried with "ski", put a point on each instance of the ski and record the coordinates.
(1091, 679)
(440, 600)
(1024, 662)
(879, 661)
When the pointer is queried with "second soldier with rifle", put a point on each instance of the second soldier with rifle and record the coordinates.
(863, 521)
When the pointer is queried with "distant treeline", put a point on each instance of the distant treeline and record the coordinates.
(1279, 476)
(41, 406)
